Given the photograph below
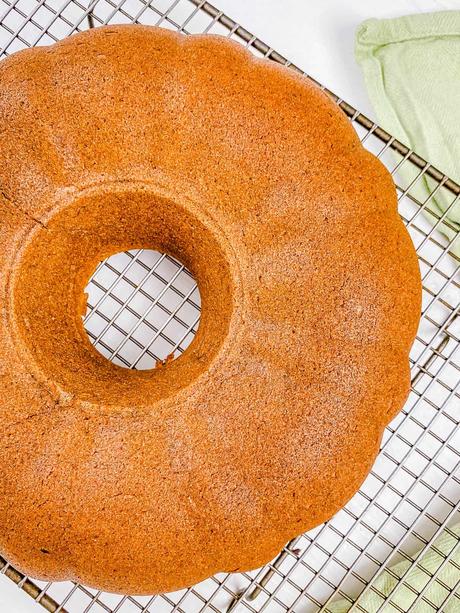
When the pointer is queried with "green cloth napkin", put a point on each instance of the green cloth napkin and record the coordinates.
(404, 584)
(411, 68)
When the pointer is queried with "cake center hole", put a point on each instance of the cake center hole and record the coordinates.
(143, 309)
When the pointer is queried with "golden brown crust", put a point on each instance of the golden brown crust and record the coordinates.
(144, 482)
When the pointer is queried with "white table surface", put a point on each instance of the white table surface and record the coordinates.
(319, 37)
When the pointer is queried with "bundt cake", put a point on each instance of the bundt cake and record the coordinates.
(145, 481)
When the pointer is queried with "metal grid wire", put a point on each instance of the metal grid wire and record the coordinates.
(144, 306)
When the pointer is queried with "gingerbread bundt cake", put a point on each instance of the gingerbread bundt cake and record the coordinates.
(146, 481)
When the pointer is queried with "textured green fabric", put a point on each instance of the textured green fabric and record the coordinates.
(411, 67)
(404, 581)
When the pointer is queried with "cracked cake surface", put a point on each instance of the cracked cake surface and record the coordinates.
(147, 481)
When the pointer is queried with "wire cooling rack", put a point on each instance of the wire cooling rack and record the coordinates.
(144, 306)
